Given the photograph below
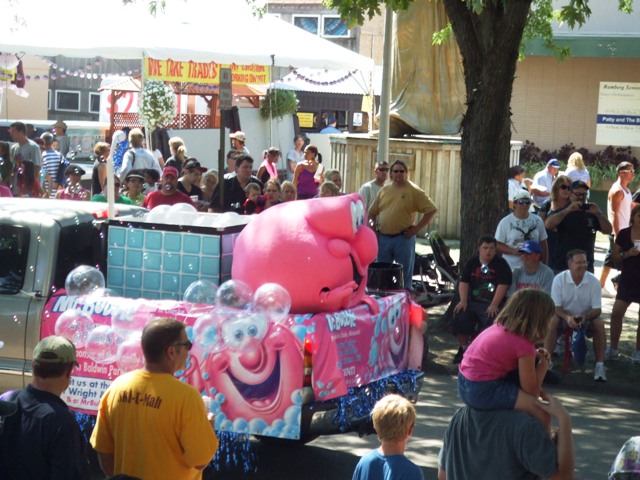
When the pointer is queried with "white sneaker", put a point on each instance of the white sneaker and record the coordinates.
(635, 357)
(612, 353)
(600, 372)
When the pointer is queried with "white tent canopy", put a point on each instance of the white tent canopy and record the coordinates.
(221, 31)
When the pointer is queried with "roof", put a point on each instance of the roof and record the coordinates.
(331, 81)
(64, 212)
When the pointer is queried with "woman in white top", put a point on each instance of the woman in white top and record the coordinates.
(576, 169)
(295, 156)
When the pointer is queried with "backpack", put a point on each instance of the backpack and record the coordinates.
(61, 179)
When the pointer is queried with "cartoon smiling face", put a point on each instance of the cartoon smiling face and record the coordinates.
(318, 249)
(397, 334)
(258, 369)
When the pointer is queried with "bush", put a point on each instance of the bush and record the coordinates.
(601, 164)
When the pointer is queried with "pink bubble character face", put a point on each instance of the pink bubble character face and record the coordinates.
(321, 257)
(258, 369)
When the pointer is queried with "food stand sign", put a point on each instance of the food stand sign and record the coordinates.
(225, 89)
(204, 73)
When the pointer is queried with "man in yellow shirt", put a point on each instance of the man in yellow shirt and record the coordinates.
(150, 424)
(394, 213)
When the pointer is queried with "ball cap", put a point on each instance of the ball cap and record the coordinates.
(239, 135)
(74, 170)
(194, 165)
(60, 124)
(55, 349)
(522, 193)
(7, 408)
(531, 247)
(170, 171)
(553, 163)
(578, 184)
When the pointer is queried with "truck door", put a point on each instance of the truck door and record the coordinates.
(15, 298)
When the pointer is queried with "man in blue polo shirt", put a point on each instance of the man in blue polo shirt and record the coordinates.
(43, 440)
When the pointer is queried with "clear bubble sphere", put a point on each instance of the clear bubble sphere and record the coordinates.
(234, 294)
(75, 326)
(81, 280)
(102, 344)
(273, 301)
(202, 291)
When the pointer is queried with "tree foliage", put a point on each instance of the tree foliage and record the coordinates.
(490, 35)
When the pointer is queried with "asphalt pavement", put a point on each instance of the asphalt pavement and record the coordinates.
(601, 425)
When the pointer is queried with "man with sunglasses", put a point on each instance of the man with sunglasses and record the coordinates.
(393, 213)
(576, 226)
(369, 190)
(150, 424)
(519, 227)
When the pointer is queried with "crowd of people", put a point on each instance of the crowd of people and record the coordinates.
(530, 282)
(146, 179)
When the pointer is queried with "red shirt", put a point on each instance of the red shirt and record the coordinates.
(154, 199)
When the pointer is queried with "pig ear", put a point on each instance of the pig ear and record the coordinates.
(332, 216)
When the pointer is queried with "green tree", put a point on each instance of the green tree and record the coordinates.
(489, 34)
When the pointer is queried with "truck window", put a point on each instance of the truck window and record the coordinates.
(76, 248)
(14, 250)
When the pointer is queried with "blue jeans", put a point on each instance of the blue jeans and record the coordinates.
(498, 394)
(401, 249)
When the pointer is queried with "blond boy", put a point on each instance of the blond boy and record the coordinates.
(393, 419)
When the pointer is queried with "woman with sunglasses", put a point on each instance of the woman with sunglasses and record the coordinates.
(519, 227)
(560, 199)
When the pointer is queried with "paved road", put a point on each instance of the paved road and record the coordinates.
(601, 425)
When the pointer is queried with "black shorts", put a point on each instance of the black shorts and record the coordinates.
(608, 258)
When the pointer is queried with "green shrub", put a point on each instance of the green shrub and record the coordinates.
(278, 103)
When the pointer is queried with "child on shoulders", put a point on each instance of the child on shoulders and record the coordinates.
(505, 348)
(393, 419)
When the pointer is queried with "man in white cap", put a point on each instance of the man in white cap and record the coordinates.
(518, 227)
(43, 440)
(543, 181)
(238, 139)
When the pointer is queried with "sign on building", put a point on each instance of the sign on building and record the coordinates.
(618, 120)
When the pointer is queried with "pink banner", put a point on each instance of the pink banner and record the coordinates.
(251, 369)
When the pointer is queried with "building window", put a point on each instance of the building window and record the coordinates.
(309, 23)
(334, 26)
(67, 101)
(94, 102)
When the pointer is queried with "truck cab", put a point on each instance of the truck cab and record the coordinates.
(41, 241)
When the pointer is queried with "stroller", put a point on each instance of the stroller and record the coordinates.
(435, 274)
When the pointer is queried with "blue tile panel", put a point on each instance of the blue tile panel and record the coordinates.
(155, 264)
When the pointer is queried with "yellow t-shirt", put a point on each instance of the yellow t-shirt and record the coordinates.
(396, 207)
(155, 426)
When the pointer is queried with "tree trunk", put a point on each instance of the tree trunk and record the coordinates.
(489, 44)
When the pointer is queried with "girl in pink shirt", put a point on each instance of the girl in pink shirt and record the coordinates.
(508, 347)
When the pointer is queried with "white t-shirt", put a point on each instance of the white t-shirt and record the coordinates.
(513, 232)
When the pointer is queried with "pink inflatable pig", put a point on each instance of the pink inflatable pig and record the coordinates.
(318, 249)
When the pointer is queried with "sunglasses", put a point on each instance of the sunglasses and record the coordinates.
(578, 194)
(564, 187)
(398, 171)
(186, 345)
(523, 201)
